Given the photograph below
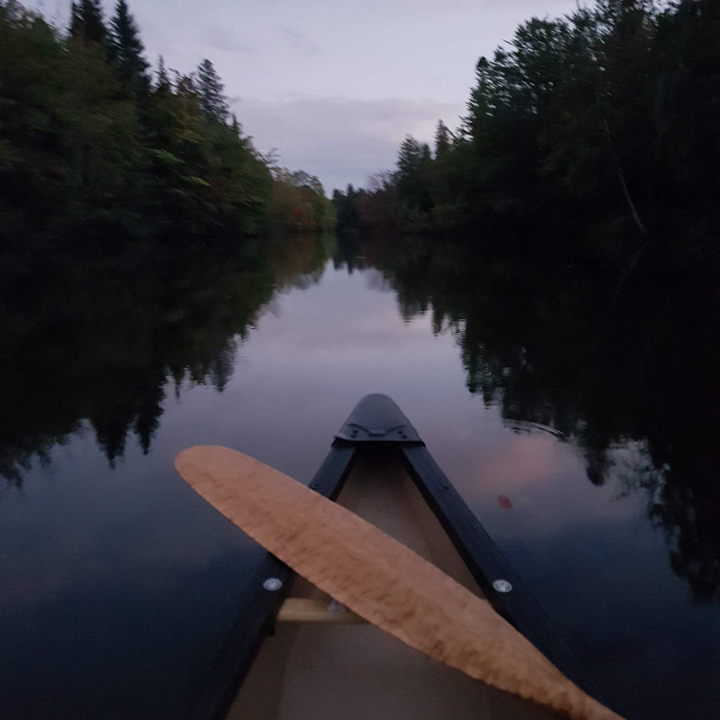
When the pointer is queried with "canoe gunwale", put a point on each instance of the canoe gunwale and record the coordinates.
(253, 621)
(255, 617)
(363, 430)
(487, 564)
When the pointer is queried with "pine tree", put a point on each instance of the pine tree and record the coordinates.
(95, 30)
(409, 158)
(76, 23)
(211, 92)
(480, 104)
(236, 126)
(442, 139)
(163, 85)
(87, 22)
(126, 51)
(413, 171)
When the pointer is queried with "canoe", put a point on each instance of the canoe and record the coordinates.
(294, 654)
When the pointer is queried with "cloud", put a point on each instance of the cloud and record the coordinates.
(341, 140)
(300, 42)
(221, 39)
(323, 52)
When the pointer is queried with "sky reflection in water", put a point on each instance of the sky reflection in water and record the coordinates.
(118, 582)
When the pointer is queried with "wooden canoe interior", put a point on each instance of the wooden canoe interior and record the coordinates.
(338, 671)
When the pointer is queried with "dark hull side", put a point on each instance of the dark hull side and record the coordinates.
(377, 420)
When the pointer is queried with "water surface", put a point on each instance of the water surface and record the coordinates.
(578, 439)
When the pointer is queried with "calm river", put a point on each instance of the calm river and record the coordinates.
(596, 477)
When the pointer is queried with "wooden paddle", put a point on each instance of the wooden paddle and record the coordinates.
(379, 579)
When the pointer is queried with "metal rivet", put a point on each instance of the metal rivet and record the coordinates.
(272, 584)
(502, 586)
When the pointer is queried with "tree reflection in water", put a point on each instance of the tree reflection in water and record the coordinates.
(548, 345)
(82, 354)
(553, 347)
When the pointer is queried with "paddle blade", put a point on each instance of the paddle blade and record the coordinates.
(379, 579)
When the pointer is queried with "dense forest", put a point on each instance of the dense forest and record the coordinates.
(602, 127)
(95, 148)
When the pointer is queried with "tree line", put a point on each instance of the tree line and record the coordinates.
(95, 145)
(610, 113)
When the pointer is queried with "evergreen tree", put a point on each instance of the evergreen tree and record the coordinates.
(413, 180)
(409, 158)
(163, 84)
(102, 137)
(211, 92)
(412, 159)
(76, 22)
(480, 104)
(31, 96)
(611, 112)
(87, 22)
(88, 149)
(442, 139)
(126, 51)
(236, 126)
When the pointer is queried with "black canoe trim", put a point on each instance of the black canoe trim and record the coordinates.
(487, 564)
(255, 617)
(336, 467)
(252, 623)
(376, 419)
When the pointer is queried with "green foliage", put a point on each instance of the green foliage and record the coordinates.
(609, 115)
(91, 149)
(101, 136)
(298, 203)
(412, 179)
(126, 51)
(443, 139)
(32, 171)
(87, 22)
(211, 92)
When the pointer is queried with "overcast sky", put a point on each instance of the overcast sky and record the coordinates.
(334, 85)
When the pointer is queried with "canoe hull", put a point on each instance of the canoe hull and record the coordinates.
(378, 424)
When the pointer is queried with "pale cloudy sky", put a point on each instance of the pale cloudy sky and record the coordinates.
(334, 85)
